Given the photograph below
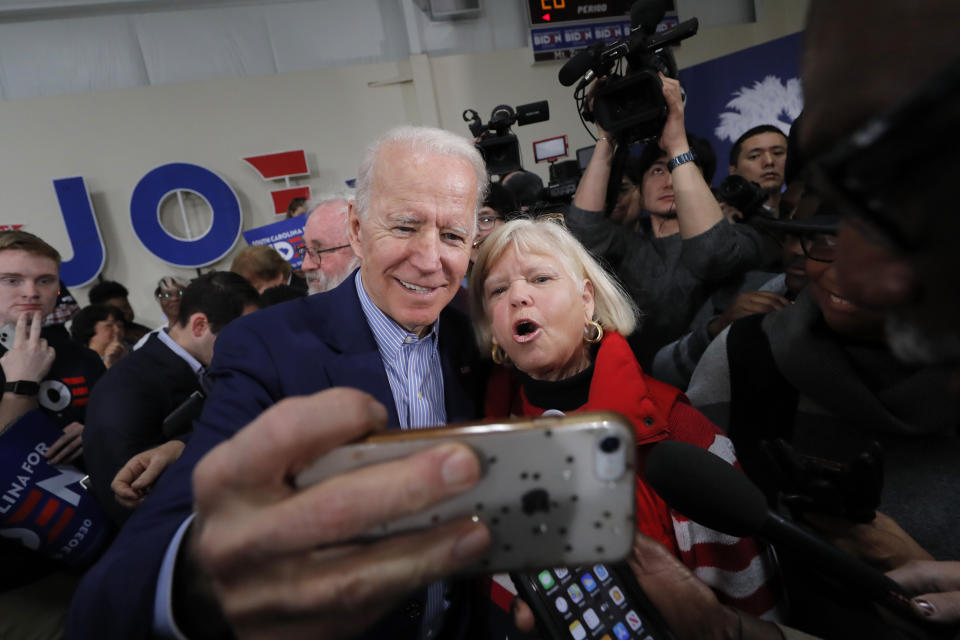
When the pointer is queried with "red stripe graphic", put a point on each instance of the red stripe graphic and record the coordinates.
(48, 510)
(279, 165)
(282, 197)
(26, 507)
(81, 391)
(76, 380)
(62, 522)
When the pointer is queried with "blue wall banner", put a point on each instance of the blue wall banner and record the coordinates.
(729, 95)
(286, 236)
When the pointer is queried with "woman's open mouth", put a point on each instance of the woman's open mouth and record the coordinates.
(525, 330)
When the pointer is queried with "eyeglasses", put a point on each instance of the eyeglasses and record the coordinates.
(316, 254)
(821, 247)
(166, 295)
(487, 222)
(872, 171)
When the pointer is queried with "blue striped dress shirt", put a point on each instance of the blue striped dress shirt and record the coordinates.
(412, 365)
(416, 382)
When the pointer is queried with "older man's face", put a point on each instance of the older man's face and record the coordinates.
(414, 243)
(326, 229)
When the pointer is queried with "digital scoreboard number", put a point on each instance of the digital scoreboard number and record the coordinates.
(551, 11)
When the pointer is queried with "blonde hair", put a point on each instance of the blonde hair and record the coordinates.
(547, 235)
(25, 241)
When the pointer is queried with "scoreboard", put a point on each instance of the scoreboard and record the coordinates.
(551, 11)
(558, 28)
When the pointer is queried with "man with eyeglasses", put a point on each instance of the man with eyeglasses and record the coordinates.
(881, 111)
(499, 206)
(819, 376)
(327, 255)
(167, 294)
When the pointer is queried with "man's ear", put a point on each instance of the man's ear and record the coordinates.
(198, 324)
(733, 169)
(353, 228)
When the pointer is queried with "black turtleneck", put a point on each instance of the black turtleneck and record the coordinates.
(564, 395)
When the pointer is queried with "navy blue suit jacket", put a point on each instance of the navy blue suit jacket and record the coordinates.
(296, 348)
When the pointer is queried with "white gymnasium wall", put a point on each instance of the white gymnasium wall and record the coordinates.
(112, 138)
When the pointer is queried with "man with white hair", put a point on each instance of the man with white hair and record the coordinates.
(327, 255)
(262, 559)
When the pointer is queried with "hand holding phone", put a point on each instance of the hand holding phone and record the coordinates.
(555, 490)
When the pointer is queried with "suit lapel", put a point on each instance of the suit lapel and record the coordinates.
(356, 362)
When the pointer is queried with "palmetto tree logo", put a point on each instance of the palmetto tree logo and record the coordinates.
(768, 101)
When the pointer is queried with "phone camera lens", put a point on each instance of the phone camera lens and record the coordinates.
(610, 444)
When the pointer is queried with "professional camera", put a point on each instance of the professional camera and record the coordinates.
(746, 196)
(630, 105)
(847, 489)
(497, 145)
(564, 178)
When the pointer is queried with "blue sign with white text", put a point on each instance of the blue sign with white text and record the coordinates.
(558, 37)
(286, 236)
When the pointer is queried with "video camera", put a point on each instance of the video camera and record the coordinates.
(499, 147)
(745, 196)
(630, 105)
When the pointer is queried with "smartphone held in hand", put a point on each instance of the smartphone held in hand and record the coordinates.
(555, 490)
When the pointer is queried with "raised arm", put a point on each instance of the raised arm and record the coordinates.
(697, 209)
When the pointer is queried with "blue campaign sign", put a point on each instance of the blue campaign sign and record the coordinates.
(153, 189)
(728, 95)
(559, 37)
(44, 507)
(82, 230)
(285, 236)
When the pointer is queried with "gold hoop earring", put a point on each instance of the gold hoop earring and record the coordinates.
(498, 355)
(592, 332)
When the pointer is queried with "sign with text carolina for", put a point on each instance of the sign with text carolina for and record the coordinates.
(286, 236)
(44, 507)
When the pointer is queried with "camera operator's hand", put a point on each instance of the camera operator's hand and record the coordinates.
(673, 138)
(591, 193)
(590, 99)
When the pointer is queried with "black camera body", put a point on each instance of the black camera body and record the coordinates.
(630, 105)
(564, 178)
(746, 196)
(499, 147)
(847, 489)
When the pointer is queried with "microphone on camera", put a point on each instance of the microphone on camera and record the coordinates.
(711, 492)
